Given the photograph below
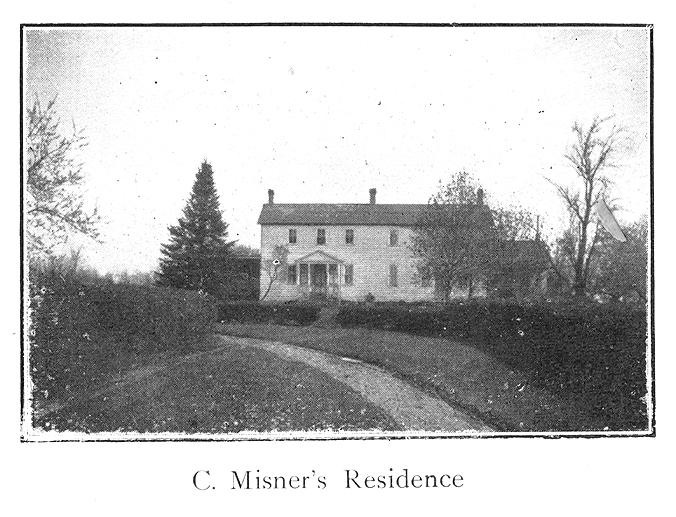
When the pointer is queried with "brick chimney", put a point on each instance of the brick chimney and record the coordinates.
(480, 196)
(372, 195)
(271, 196)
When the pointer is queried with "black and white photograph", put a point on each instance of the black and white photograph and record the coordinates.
(263, 232)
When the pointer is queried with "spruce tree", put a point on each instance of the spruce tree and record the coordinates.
(196, 256)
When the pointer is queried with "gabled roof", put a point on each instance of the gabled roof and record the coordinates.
(345, 213)
(318, 256)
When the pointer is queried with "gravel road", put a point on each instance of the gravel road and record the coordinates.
(410, 407)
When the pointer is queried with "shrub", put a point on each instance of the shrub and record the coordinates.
(255, 312)
(79, 332)
(593, 354)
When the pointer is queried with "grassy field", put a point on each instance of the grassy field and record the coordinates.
(229, 390)
(592, 355)
(454, 370)
(82, 336)
(140, 358)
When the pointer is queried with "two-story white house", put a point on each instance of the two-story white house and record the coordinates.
(347, 251)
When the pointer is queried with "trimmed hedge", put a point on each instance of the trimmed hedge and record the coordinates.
(166, 316)
(594, 355)
(254, 312)
(79, 333)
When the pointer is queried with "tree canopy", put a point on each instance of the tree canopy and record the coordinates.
(622, 267)
(452, 238)
(55, 205)
(591, 156)
(460, 241)
(196, 256)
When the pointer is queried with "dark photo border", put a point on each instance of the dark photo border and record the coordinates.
(651, 432)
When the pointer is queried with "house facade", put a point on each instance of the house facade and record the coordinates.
(347, 251)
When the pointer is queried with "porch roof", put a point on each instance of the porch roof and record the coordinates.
(318, 256)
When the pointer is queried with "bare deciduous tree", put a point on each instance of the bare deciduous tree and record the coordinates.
(54, 179)
(272, 267)
(591, 156)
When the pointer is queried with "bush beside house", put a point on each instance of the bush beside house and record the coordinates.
(254, 312)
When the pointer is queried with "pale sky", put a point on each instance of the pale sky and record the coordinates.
(321, 114)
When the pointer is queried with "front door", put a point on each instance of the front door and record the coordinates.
(318, 278)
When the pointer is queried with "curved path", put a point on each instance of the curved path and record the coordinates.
(410, 407)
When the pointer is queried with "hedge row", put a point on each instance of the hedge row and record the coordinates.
(79, 332)
(167, 316)
(254, 312)
(592, 354)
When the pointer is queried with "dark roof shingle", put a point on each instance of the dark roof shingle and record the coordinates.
(342, 214)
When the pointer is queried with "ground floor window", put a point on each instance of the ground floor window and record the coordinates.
(349, 274)
(393, 275)
(291, 275)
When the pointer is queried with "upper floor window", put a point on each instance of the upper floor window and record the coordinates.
(394, 238)
(349, 236)
(393, 276)
(292, 236)
(321, 236)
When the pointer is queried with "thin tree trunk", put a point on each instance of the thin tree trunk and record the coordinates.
(267, 291)
(580, 285)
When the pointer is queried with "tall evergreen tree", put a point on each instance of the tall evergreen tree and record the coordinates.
(196, 256)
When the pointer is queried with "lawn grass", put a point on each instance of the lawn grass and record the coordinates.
(454, 370)
(228, 390)
(82, 336)
(84, 366)
(593, 355)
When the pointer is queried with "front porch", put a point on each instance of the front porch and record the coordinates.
(319, 275)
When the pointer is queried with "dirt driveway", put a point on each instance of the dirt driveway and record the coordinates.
(409, 407)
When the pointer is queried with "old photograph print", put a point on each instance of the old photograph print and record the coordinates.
(348, 231)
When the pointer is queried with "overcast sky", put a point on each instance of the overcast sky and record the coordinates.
(323, 114)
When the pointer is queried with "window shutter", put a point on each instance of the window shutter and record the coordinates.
(349, 274)
(393, 275)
